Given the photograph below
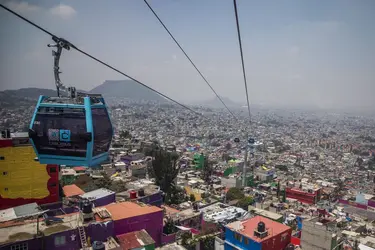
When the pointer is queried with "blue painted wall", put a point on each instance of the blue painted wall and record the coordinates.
(229, 238)
(155, 199)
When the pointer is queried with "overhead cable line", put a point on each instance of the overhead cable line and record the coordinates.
(191, 61)
(98, 60)
(242, 60)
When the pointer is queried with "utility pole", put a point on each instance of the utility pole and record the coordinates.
(244, 168)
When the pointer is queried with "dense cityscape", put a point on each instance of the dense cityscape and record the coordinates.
(278, 153)
(310, 181)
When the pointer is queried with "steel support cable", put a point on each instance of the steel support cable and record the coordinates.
(99, 61)
(242, 60)
(186, 55)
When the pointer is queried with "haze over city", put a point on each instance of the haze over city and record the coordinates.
(297, 53)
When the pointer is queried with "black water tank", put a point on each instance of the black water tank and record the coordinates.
(261, 227)
(290, 247)
(141, 192)
(98, 245)
(87, 207)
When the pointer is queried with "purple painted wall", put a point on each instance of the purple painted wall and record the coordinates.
(152, 223)
(100, 231)
(96, 231)
(166, 239)
(371, 203)
(48, 242)
(105, 200)
(354, 204)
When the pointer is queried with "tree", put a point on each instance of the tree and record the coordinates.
(235, 194)
(207, 170)
(125, 134)
(208, 242)
(245, 202)
(165, 168)
(169, 227)
(176, 195)
(192, 197)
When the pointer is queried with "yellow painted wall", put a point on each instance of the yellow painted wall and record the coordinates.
(24, 177)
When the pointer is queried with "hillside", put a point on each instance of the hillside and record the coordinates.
(32, 93)
(216, 103)
(125, 89)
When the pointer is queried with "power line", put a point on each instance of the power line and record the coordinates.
(98, 60)
(186, 55)
(242, 60)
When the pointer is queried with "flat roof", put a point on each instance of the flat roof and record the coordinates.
(265, 213)
(124, 210)
(72, 190)
(247, 227)
(19, 212)
(13, 231)
(97, 194)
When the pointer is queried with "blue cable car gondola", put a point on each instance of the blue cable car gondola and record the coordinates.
(74, 134)
(74, 130)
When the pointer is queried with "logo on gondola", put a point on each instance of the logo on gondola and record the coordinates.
(65, 135)
(61, 135)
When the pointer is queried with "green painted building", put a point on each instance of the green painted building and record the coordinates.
(198, 161)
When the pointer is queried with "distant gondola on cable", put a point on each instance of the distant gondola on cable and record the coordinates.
(73, 130)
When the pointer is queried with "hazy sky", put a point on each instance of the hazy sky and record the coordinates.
(297, 52)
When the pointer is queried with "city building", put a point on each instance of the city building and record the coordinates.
(257, 233)
(305, 194)
(68, 176)
(100, 197)
(198, 161)
(318, 234)
(129, 217)
(22, 178)
(264, 174)
(29, 227)
(144, 191)
(136, 240)
(267, 214)
(72, 190)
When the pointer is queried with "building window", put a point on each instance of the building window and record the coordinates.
(246, 241)
(6, 189)
(5, 173)
(60, 241)
(52, 170)
(238, 237)
(22, 246)
(2, 158)
(52, 184)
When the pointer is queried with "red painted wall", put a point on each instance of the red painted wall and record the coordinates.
(304, 197)
(276, 242)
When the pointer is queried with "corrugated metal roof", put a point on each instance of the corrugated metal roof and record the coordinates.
(26, 209)
(19, 212)
(135, 239)
(97, 194)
